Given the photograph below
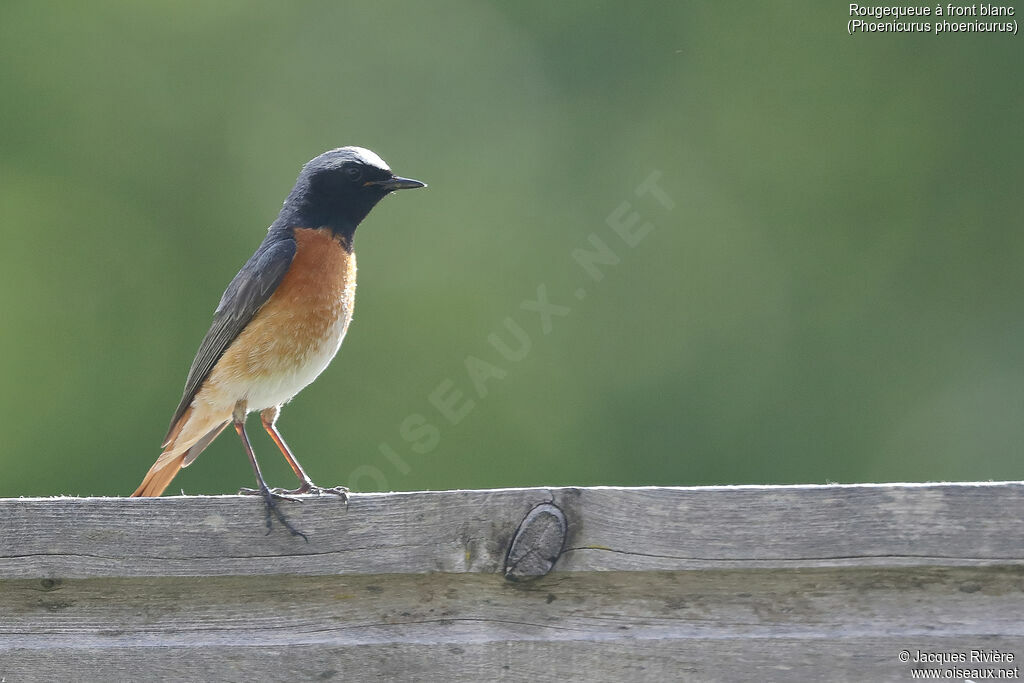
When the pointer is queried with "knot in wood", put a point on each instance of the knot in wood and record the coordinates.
(537, 544)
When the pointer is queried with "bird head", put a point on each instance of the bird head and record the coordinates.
(339, 188)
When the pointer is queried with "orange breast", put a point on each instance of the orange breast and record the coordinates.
(304, 320)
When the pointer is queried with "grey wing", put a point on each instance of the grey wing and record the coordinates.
(250, 289)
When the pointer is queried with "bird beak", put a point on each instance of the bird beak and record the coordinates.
(396, 183)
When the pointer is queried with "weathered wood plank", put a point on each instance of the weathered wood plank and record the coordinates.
(822, 624)
(620, 529)
(705, 584)
(287, 610)
(701, 660)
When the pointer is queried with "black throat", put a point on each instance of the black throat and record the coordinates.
(342, 212)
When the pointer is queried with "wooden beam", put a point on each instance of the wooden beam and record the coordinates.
(713, 583)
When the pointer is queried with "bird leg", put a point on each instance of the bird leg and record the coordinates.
(269, 497)
(269, 419)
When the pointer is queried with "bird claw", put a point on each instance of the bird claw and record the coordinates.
(339, 491)
(275, 494)
(312, 489)
(269, 500)
(271, 496)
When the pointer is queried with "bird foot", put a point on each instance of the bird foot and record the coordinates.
(309, 488)
(270, 499)
(276, 494)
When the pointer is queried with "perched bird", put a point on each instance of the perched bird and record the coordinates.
(281, 320)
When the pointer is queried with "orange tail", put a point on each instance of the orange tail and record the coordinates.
(160, 476)
(173, 459)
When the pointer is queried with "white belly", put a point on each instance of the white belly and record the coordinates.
(280, 385)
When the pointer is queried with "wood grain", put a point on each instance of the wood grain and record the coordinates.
(719, 583)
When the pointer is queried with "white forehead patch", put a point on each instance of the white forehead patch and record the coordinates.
(370, 158)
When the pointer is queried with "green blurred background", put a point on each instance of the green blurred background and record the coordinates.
(834, 296)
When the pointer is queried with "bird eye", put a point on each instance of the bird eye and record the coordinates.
(354, 173)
